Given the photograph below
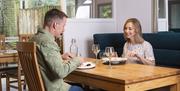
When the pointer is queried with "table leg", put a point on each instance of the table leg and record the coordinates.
(178, 84)
(175, 87)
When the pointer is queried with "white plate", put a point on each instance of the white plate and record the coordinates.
(114, 60)
(87, 65)
(10, 51)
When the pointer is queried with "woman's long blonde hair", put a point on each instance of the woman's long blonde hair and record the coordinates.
(138, 30)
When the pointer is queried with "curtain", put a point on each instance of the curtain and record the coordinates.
(154, 16)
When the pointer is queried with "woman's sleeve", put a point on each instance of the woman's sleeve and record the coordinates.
(124, 50)
(149, 54)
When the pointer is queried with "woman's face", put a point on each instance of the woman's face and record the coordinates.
(129, 30)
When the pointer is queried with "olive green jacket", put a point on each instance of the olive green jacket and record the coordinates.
(52, 67)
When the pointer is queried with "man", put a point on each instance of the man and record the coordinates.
(54, 67)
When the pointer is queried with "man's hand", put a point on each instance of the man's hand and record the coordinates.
(81, 59)
(67, 56)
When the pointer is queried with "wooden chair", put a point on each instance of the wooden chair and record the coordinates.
(2, 42)
(2, 73)
(5, 67)
(16, 75)
(3, 70)
(25, 37)
(28, 60)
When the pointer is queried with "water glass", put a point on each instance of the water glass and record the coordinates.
(115, 54)
(102, 55)
(95, 49)
(109, 51)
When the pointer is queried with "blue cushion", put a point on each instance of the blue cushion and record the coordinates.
(110, 39)
(169, 41)
(166, 45)
(167, 57)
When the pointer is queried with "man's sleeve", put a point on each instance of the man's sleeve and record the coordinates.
(55, 63)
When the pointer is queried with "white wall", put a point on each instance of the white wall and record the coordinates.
(140, 9)
(83, 29)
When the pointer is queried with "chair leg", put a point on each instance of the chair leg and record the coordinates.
(19, 84)
(24, 86)
(7, 83)
(0, 83)
(19, 77)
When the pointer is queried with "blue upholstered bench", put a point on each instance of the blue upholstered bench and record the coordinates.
(166, 46)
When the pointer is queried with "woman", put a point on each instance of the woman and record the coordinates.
(136, 49)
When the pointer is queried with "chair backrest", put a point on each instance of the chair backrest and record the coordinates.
(25, 37)
(2, 42)
(2, 37)
(28, 60)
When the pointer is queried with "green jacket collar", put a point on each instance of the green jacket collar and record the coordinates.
(49, 36)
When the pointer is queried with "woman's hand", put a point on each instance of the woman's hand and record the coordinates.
(132, 54)
(141, 59)
(138, 57)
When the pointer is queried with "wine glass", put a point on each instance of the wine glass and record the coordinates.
(109, 51)
(95, 49)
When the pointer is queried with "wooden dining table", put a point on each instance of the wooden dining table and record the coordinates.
(8, 57)
(127, 77)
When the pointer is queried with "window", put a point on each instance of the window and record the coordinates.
(166, 14)
(105, 10)
(89, 8)
(173, 15)
(33, 11)
(8, 17)
(22, 17)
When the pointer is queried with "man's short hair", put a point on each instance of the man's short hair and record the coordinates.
(53, 14)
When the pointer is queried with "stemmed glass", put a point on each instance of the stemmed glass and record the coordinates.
(95, 49)
(109, 51)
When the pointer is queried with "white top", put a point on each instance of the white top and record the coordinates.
(143, 50)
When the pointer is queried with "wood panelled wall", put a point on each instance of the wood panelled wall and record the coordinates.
(31, 19)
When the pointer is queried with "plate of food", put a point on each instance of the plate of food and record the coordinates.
(87, 65)
(114, 60)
